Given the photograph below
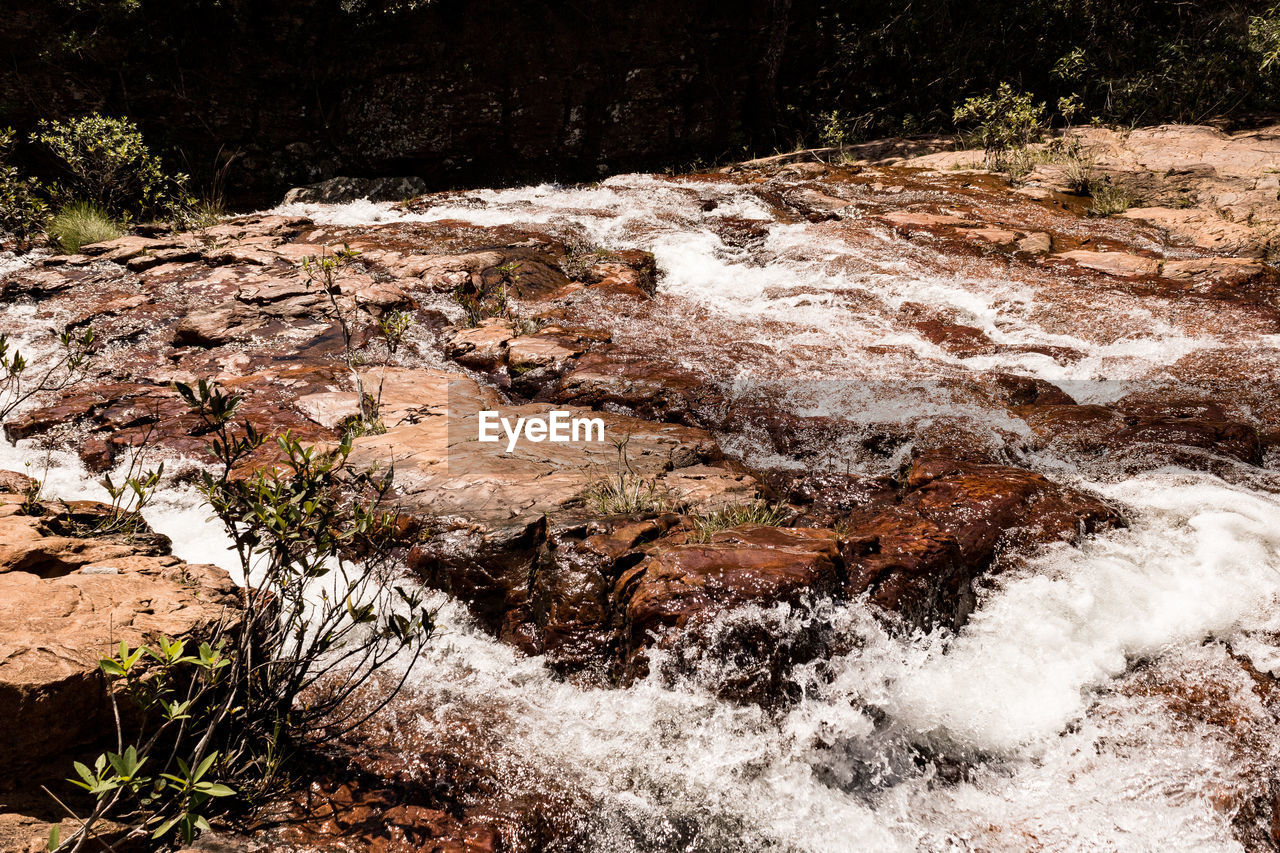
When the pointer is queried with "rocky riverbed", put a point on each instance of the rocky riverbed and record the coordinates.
(961, 525)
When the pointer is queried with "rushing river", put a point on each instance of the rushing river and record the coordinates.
(1055, 719)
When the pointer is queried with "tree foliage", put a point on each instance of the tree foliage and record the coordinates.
(903, 66)
(105, 161)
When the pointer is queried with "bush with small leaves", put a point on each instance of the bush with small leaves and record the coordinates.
(20, 380)
(106, 162)
(181, 697)
(1003, 119)
(23, 209)
(1264, 40)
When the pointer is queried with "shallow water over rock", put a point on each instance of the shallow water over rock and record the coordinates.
(1077, 460)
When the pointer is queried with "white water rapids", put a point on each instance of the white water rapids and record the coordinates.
(1051, 721)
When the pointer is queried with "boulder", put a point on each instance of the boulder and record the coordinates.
(681, 587)
(66, 602)
(570, 607)
(342, 190)
(919, 554)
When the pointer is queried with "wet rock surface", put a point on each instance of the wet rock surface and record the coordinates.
(910, 441)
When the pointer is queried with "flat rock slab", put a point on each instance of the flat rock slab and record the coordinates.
(66, 601)
(1113, 263)
(443, 469)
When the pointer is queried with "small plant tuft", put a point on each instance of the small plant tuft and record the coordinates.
(703, 525)
(1109, 199)
(81, 224)
(626, 492)
(322, 272)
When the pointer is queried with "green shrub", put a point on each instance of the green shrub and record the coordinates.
(906, 64)
(839, 130)
(324, 612)
(1003, 120)
(490, 300)
(80, 224)
(23, 211)
(1264, 39)
(20, 380)
(106, 162)
(627, 494)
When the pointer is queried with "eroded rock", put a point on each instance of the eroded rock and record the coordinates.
(66, 601)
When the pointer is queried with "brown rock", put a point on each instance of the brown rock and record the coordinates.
(1113, 263)
(1201, 228)
(996, 236)
(571, 607)
(912, 220)
(223, 324)
(483, 347)
(920, 557)
(1230, 270)
(65, 602)
(956, 338)
(13, 483)
(493, 503)
(1142, 435)
(680, 586)
(526, 274)
(606, 377)
(550, 348)
(1039, 243)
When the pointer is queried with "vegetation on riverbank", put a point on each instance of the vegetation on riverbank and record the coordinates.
(215, 722)
(898, 68)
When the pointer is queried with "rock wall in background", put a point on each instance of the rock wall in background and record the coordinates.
(456, 91)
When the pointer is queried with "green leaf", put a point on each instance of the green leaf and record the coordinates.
(110, 667)
(84, 772)
(204, 766)
(217, 789)
(55, 837)
(164, 827)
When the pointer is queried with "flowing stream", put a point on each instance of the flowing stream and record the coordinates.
(1062, 716)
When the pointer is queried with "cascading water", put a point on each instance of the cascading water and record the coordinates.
(1054, 719)
(1037, 691)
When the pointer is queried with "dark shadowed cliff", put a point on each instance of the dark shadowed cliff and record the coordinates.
(458, 91)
